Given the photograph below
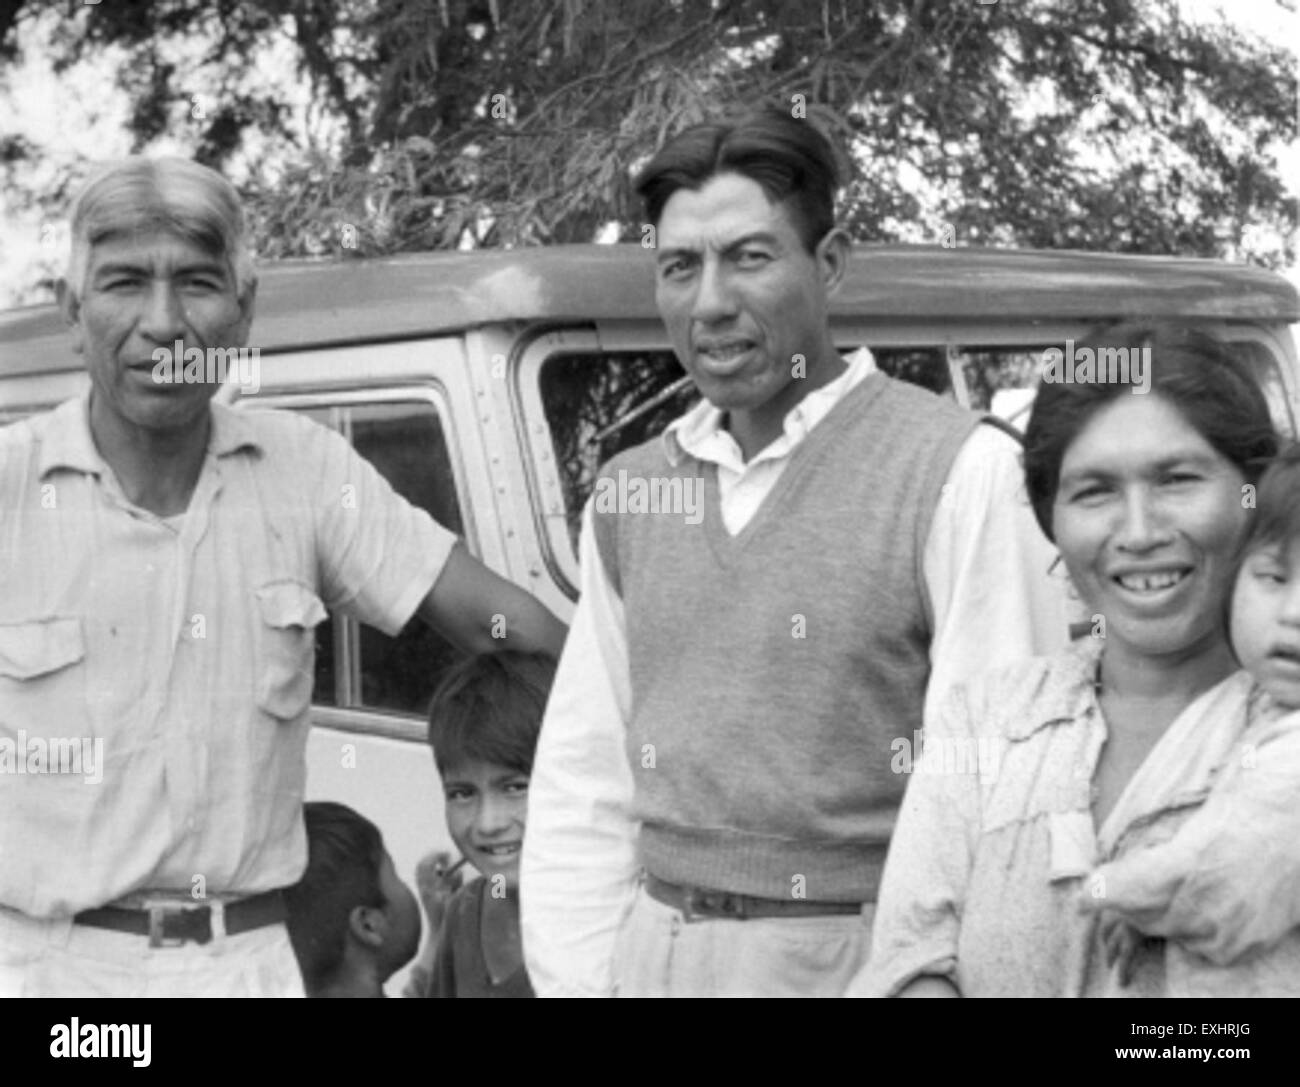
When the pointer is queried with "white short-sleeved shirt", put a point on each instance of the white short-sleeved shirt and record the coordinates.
(180, 652)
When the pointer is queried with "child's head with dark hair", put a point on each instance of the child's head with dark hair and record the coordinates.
(352, 922)
(489, 707)
(1265, 606)
(483, 727)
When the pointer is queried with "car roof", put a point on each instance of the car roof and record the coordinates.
(304, 303)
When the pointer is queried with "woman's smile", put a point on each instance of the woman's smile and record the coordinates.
(1156, 588)
(1147, 517)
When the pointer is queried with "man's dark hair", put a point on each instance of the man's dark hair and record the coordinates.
(790, 159)
(490, 707)
(344, 854)
(1206, 380)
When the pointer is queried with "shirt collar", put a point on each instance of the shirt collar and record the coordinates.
(231, 431)
(1071, 688)
(68, 442)
(698, 425)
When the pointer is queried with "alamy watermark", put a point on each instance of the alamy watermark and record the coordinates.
(114, 1040)
(53, 755)
(1105, 365)
(978, 755)
(682, 497)
(181, 365)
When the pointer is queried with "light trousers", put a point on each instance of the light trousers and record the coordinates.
(61, 959)
(660, 953)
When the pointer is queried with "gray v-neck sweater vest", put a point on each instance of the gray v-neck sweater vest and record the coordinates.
(771, 671)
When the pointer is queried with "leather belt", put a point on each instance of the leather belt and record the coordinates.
(699, 903)
(172, 923)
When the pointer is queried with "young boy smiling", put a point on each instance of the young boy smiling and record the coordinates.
(483, 727)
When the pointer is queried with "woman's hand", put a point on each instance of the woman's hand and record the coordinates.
(1121, 943)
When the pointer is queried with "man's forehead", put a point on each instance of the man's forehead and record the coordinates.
(157, 248)
(727, 209)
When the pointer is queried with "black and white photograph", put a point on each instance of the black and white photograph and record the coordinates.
(656, 499)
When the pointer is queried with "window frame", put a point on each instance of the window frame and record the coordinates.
(350, 714)
(541, 468)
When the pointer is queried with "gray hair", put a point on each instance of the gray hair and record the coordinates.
(173, 194)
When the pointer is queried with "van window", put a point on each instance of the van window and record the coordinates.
(924, 366)
(598, 404)
(357, 666)
(990, 370)
(406, 443)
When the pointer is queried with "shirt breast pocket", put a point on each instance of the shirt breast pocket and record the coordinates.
(43, 677)
(289, 612)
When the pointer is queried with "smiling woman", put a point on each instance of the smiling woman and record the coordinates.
(1146, 496)
(1143, 494)
(1147, 517)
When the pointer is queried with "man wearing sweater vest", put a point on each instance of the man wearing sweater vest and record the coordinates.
(717, 776)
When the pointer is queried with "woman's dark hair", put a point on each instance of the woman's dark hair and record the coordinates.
(490, 707)
(1205, 379)
(789, 158)
(344, 854)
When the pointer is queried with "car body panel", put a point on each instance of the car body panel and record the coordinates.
(314, 303)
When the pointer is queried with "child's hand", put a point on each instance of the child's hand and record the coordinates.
(437, 879)
(1121, 942)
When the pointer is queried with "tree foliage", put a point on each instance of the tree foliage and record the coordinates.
(1095, 124)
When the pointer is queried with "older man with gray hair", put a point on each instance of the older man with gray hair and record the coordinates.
(127, 512)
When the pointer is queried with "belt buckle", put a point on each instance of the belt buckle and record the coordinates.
(729, 905)
(158, 911)
(699, 904)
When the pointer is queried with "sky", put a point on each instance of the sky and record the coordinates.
(79, 114)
